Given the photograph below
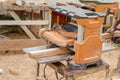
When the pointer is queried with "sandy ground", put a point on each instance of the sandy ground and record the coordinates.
(18, 66)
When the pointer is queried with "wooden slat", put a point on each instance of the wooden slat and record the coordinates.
(109, 35)
(27, 31)
(61, 4)
(19, 44)
(49, 52)
(9, 6)
(25, 22)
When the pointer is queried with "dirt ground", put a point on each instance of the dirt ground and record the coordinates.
(17, 65)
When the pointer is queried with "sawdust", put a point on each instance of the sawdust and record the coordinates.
(17, 66)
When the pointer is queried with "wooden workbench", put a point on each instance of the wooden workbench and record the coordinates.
(70, 74)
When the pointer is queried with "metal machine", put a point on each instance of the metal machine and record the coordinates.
(112, 18)
(78, 30)
(74, 35)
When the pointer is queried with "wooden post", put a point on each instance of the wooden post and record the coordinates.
(109, 35)
(27, 31)
(118, 65)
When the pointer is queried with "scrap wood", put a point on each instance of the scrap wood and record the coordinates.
(109, 35)
(48, 52)
(61, 4)
(19, 44)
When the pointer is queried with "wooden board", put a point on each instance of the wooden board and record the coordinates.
(19, 44)
(25, 28)
(9, 6)
(24, 22)
(49, 52)
(109, 35)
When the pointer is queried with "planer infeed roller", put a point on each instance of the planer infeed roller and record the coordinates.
(78, 30)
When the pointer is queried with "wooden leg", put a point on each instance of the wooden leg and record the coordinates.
(38, 70)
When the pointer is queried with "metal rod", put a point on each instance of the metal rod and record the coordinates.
(38, 70)
(56, 75)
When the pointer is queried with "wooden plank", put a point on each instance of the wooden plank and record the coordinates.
(44, 54)
(28, 32)
(109, 35)
(19, 44)
(48, 52)
(24, 22)
(61, 4)
(118, 65)
(9, 6)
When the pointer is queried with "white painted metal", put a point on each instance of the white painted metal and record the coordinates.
(108, 48)
(50, 17)
(52, 59)
(107, 1)
(37, 48)
(80, 35)
(44, 50)
(101, 31)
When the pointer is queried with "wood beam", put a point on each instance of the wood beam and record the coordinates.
(24, 22)
(19, 44)
(25, 28)
(48, 52)
(109, 35)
